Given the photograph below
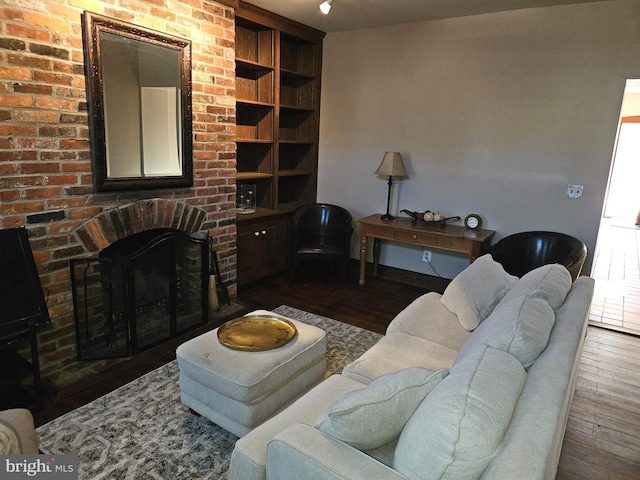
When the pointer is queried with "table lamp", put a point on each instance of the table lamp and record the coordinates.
(391, 166)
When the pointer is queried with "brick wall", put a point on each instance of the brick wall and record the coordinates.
(45, 166)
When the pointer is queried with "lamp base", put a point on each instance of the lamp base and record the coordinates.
(387, 216)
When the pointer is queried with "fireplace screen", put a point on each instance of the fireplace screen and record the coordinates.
(139, 292)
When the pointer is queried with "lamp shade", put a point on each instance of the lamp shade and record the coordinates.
(391, 165)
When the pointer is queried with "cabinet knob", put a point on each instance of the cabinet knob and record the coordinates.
(264, 232)
(415, 237)
(257, 234)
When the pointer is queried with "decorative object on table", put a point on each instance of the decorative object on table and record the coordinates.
(391, 166)
(438, 217)
(473, 221)
(246, 201)
(430, 217)
(414, 215)
(256, 333)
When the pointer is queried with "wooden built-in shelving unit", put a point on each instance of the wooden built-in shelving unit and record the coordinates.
(278, 69)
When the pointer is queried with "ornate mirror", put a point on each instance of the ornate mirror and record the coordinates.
(139, 96)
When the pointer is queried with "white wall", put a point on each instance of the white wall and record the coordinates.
(494, 114)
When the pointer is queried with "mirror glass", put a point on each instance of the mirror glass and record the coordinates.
(139, 91)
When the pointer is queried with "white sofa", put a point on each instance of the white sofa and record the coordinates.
(474, 383)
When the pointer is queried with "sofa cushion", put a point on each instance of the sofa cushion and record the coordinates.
(397, 351)
(553, 279)
(249, 457)
(458, 428)
(374, 416)
(520, 327)
(426, 317)
(473, 293)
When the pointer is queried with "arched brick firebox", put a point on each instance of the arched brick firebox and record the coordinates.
(115, 224)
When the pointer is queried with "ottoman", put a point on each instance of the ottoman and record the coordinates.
(238, 390)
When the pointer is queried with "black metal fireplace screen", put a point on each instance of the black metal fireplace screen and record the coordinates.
(142, 290)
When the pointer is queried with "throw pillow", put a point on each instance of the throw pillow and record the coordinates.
(374, 416)
(553, 279)
(473, 293)
(9, 443)
(520, 327)
(458, 428)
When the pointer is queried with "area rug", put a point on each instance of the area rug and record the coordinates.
(141, 430)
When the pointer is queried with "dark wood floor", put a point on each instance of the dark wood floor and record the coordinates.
(372, 308)
(603, 433)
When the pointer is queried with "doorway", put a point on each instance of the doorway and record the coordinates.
(616, 302)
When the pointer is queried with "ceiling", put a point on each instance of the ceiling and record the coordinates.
(357, 14)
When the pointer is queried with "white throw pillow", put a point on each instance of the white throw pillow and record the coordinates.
(553, 279)
(374, 416)
(473, 293)
(520, 327)
(457, 430)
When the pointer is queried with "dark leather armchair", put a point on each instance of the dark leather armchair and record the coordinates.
(522, 252)
(321, 231)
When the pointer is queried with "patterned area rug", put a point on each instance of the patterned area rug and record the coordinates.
(142, 431)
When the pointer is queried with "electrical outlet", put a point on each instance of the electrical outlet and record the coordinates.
(426, 256)
(574, 191)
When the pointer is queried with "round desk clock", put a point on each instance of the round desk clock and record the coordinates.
(473, 221)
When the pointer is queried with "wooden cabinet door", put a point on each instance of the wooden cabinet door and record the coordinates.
(249, 254)
(263, 248)
(275, 244)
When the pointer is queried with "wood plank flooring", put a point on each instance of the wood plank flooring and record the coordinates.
(602, 440)
(603, 432)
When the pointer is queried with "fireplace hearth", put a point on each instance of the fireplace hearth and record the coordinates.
(140, 291)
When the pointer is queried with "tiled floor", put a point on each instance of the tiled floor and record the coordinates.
(616, 270)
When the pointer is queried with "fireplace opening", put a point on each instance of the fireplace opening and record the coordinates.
(140, 291)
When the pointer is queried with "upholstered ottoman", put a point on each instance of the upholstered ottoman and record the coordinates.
(238, 390)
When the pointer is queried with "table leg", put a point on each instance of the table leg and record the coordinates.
(376, 256)
(363, 259)
(476, 249)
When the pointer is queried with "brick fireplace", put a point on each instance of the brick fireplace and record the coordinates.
(45, 161)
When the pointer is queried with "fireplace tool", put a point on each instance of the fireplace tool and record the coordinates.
(217, 289)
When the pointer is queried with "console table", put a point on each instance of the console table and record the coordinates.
(452, 238)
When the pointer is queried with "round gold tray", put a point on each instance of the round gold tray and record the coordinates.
(256, 333)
